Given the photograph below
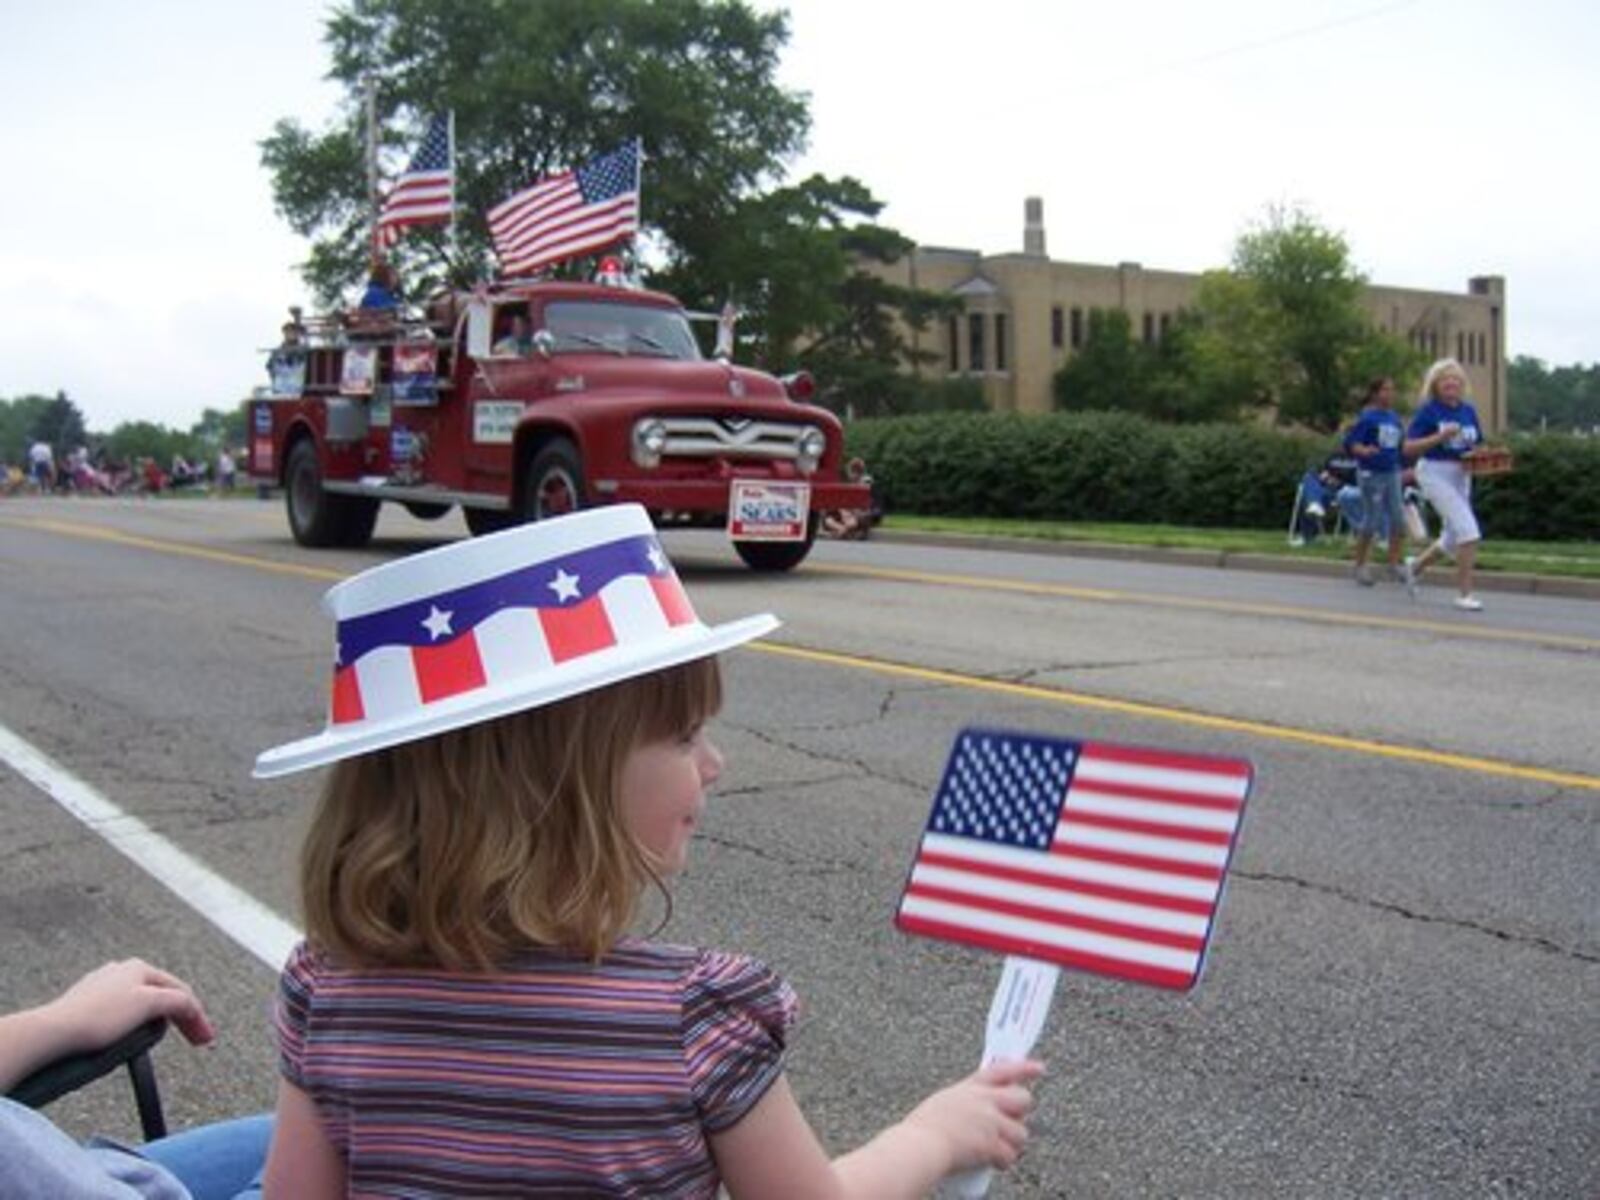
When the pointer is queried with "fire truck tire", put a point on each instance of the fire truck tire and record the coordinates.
(777, 556)
(554, 482)
(319, 518)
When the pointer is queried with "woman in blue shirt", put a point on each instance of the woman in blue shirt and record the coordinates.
(1445, 428)
(1374, 440)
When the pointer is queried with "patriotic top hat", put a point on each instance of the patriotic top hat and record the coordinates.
(491, 626)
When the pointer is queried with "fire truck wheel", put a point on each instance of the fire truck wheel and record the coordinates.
(316, 517)
(554, 483)
(777, 556)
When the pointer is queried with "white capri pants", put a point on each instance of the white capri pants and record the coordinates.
(1448, 488)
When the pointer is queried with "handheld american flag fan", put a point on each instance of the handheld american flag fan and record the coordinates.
(1088, 855)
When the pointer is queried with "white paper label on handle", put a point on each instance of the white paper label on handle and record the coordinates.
(1016, 1018)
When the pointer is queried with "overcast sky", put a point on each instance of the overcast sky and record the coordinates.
(142, 266)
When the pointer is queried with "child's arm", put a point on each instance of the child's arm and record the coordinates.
(302, 1163)
(977, 1122)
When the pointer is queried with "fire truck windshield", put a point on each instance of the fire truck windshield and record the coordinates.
(582, 325)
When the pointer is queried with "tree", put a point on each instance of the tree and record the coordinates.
(18, 419)
(1285, 325)
(60, 423)
(1110, 372)
(218, 427)
(1562, 398)
(538, 86)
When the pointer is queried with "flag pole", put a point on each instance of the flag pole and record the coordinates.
(372, 162)
(450, 237)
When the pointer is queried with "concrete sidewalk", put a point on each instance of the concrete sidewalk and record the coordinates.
(1283, 564)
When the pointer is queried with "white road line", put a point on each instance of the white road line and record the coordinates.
(236, 913)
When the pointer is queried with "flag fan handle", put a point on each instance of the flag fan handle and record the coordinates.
(1016, 1018)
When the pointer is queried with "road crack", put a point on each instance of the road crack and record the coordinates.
(1385, 906)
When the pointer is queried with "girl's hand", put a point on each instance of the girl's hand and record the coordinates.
(1448, 429)
(979, 1121)
(119, 997)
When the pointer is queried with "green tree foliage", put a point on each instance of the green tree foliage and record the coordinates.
(1563, 398)
(219, 427)
(18, 420)
(537, 86)
(133, 440)
(1284, 324)
(56, 420)
(540, 85)
(1173, 378)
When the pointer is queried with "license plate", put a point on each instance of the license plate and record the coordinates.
(768, 512)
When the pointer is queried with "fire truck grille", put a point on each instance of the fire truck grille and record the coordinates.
(729, 437)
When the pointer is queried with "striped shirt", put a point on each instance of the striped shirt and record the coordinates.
(553, 1077)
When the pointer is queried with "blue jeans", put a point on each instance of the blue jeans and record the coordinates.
(221, 1161)
(1382, 505)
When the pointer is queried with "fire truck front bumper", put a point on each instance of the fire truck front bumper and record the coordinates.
(710, 496)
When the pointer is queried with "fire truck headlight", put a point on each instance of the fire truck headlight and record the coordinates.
(649, 440)
(813, 445)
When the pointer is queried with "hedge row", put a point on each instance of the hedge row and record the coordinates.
(1116, 467)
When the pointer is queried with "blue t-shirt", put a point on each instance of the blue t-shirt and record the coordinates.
(1433, 414)
(1381, 428)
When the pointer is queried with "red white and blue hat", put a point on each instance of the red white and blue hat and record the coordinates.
(491, 626)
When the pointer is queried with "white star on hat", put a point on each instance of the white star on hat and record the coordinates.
(565, 586)
(437, 622)
(658, 560)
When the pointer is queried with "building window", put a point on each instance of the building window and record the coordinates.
(1149, 328)
(952, 333)
(1166, 324)
(1055, 327)
(999, 341)
(975, 342)
(1461, 347)
(1077, 328)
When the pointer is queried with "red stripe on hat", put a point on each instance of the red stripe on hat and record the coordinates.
(448, 669)
(576, 631)
(346, 705)
(673, 599)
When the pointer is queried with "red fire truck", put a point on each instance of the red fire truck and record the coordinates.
(526, 400)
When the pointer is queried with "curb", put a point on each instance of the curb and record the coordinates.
(1520, 582)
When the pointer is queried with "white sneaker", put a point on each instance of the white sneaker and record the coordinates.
(1365, 577)
(1469, 604)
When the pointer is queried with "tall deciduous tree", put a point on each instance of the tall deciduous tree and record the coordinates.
(1284, 324)
(537, 86)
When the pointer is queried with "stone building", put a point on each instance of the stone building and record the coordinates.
(1026, 313)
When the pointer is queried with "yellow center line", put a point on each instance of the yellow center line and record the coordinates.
(1237, 607)
(1028, 691)
(183, 549)
(1162, 712)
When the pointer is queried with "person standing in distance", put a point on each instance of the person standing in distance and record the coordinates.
(1374, 440)
(1444, 429)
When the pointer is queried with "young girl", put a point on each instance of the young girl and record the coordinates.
(518, 728)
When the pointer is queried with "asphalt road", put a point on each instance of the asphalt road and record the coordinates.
(1401, 999)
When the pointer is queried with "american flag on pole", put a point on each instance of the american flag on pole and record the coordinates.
(1104, 858)
(425, 193)
(576, 212)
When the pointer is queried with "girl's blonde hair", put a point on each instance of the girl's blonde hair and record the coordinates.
(1445, 366)
(461, 849)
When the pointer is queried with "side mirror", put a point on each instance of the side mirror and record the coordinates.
(544, 343)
